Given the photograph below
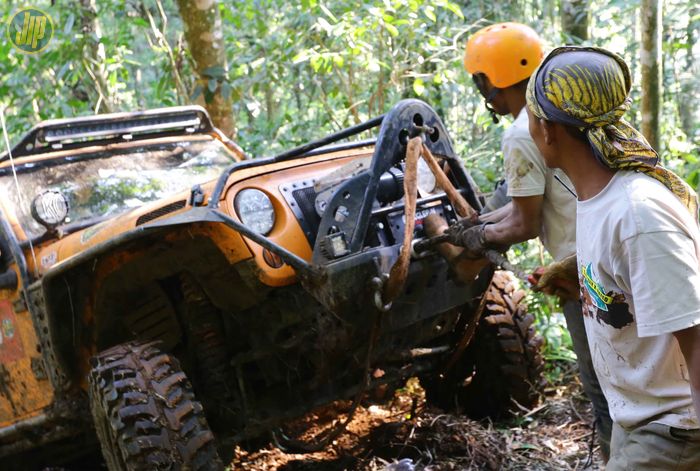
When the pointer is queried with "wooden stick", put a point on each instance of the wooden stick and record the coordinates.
(461, 206)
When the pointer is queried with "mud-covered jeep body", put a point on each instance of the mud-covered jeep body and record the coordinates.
(261, 279)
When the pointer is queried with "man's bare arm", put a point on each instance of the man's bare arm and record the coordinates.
(689, 341)
(522, 223)
(497, 214)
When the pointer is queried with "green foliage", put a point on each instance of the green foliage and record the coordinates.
(299, 70)
(342, 64)
(549, 317)
(112, 191)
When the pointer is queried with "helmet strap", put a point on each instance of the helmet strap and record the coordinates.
(480, 81)
(488, 99)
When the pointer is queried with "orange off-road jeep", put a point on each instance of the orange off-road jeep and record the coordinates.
(145, 261)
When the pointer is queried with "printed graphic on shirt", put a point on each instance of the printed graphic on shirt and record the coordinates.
(607, 307)
(600, 299)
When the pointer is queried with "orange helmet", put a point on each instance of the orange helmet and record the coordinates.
(507, 53)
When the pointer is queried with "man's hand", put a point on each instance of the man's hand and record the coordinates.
(559, 278)
(535, 276)
(465, 269)
(472, 238)
(434, 225)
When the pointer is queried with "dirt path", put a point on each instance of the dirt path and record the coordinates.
(554, 436)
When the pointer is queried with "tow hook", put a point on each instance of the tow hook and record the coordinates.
(378, 283)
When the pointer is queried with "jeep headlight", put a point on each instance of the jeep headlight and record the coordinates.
(426, 180)
(255, 210)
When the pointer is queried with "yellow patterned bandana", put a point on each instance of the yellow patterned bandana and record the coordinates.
(588, 88)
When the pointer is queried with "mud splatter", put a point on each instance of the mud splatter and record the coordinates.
(516, 167)
(618, 314)
(5, 382)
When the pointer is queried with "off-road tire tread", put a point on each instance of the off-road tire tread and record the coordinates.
(503, 361)
(152, 420)
(506, 354)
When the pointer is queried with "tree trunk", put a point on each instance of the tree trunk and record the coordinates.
(575, 16)
(690, 90)
(204, 37)
(650, 59)
(94, 56)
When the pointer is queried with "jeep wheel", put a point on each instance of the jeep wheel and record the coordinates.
(145, 414)
(502, 364)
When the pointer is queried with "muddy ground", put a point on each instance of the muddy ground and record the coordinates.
(555, 435)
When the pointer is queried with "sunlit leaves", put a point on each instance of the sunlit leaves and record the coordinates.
(418, 86)
(393, 30)
(328, 13)
(454, 8)
(297, 70)
(324, 25)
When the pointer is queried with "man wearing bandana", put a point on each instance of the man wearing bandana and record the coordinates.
(638, 251)
(501, 58)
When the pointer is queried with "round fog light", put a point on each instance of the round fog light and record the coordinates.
(50, 208)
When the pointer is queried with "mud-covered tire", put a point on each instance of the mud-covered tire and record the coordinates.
(502, 364)
(145, 414)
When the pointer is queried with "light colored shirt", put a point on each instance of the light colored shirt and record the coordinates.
(527, 175)
(638, 250)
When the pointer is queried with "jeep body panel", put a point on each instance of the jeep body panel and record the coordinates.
(24, 385)
(266, 326)
(38, 403)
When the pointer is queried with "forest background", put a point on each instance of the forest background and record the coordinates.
(275, 73)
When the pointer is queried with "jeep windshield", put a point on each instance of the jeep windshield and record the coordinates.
(112, 181)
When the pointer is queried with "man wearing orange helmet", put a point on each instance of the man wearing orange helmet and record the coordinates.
(501, 58)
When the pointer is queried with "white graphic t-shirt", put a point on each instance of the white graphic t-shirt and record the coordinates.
(527, 175)
(638, 249)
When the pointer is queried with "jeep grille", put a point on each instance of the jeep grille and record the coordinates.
(162, 211)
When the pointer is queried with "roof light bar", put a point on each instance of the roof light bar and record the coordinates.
(113, 127)
(83, 132)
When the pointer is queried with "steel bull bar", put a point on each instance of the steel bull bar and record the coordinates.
(354, 197)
